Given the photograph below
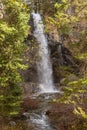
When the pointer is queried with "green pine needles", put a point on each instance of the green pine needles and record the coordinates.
(13, 30)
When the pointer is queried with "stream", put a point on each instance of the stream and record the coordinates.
(38, 117)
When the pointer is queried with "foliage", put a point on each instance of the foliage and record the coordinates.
(75, 93)
(68, 17)
(13, 30)
(68, 21)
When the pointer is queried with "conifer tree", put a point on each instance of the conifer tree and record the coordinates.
(13, 30)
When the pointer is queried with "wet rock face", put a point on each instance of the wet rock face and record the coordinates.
(30, 75)
(30, 58)
(25, 116)
(31, 23)
(60, 56)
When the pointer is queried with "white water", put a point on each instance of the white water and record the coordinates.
(44, 65)
(40, 121)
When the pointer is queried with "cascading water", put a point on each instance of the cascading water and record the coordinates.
(40, 121)
(44, 65)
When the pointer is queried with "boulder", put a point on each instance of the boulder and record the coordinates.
(12, 123)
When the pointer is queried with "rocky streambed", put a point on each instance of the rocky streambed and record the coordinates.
(37, 113)
(40, 112)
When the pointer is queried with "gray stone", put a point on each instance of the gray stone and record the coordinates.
(12, 123)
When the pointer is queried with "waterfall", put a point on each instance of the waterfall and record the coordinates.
(44, 66)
